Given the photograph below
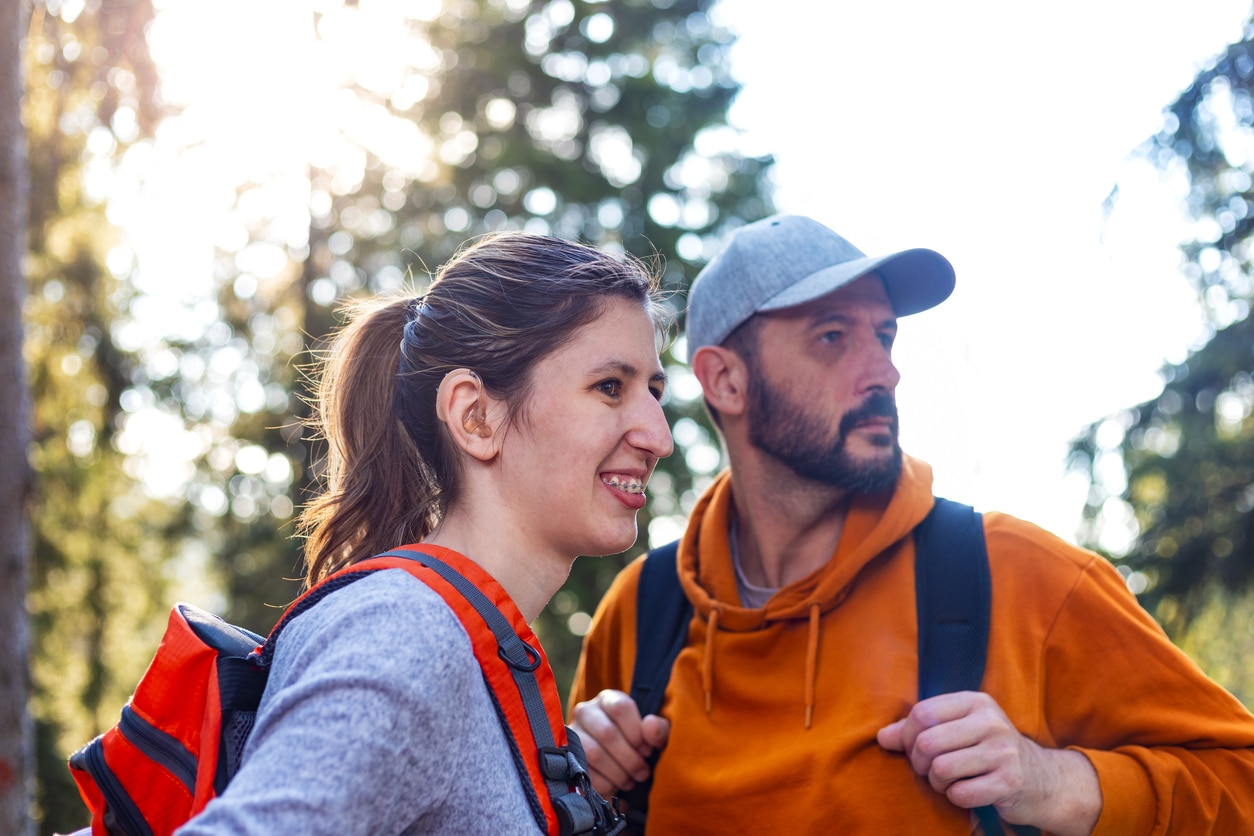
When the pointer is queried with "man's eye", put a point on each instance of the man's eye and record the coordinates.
(830, 336)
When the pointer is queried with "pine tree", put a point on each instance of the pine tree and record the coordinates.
(1184, 461)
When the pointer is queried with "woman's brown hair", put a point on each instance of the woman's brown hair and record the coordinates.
(498, 307)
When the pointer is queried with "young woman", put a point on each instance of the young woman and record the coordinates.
(507, 421)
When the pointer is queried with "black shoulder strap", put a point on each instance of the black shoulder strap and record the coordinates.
(953, 594)
(662, 616)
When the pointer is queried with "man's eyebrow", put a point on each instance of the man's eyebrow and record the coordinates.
(842, 318)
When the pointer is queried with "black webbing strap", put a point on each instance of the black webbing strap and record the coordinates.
(953, 592)
(662, 616)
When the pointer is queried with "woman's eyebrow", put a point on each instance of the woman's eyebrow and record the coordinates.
(624, 369)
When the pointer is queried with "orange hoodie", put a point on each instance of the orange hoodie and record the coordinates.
(774, 711)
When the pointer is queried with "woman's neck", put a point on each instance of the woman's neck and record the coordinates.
(529, 576)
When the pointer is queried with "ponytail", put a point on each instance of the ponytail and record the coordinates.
(379, 492)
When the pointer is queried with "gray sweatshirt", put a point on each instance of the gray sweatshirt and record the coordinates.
(376, 720)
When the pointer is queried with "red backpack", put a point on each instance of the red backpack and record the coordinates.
(180, 737)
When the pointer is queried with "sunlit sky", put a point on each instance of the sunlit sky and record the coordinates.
(987, 130)
(993, 132)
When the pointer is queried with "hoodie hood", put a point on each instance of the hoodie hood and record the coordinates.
(872, 524)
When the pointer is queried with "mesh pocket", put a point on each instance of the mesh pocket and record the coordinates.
(235, 732)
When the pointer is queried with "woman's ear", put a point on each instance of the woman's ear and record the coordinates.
(469, 413)
(724, 378)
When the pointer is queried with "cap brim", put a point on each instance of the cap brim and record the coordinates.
(914, 280)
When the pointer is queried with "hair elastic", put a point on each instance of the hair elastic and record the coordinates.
(417, 307)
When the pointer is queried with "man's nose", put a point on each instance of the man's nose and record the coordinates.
(879, 371)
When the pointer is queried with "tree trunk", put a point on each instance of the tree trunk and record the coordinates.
(16, 738)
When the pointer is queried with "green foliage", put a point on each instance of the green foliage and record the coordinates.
(1180, 467)
(1220, 638)
(1188, 460)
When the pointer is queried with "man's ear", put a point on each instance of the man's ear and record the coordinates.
(724, 378)
(469, 413)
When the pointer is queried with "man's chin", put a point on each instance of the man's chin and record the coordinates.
(874, 472)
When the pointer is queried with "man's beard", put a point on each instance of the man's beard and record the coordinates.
(783, 429)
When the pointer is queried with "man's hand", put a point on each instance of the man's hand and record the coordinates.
(967, 748)
(617, 740)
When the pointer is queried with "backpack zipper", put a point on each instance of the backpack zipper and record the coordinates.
(116, 798)
(163, 748)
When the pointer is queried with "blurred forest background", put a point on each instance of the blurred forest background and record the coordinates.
(590, 120)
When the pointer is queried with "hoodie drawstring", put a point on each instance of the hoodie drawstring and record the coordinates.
(812, 662)
(707, 661)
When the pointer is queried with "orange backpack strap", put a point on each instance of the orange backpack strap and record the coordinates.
(551, 764)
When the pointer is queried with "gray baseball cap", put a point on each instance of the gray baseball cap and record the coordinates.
(786, 260)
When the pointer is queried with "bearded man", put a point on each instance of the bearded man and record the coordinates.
(793, 706)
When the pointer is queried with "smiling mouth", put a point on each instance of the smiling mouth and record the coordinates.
(624, 484)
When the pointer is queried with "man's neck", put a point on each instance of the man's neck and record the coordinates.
(787, 527)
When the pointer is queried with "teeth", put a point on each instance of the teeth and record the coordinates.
(626, 485)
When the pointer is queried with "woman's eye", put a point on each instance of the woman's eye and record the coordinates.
(609, 387)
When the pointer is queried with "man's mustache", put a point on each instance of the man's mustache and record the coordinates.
(877, 405)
